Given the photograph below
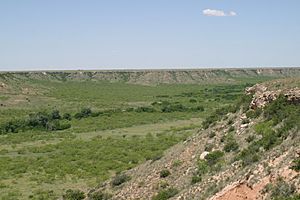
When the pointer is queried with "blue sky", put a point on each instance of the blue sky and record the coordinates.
(101, 34)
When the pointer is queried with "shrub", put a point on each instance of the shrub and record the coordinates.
(99, 195)
(85, 112)
(145, 109)
(155, 157)
(250, 138)
(193, 100)
(40, 120)
(13, 126)
(296, 165)
(218, 115)
(67, 116)
(165, 194)
(198, 109)
(231, 144)
(202, 167)
(164, 173)
(177, 163)
(120, 179)
(196, 179)
(282, 190)
(249, 155)
(96, 114)
(174, 108)
(55, 114)
(252, 114)
(73, 195)
(214, 157)
(231, 129)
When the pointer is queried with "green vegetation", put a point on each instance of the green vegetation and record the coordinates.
(213, 162)
(218, 114)
(73, 195)
(38, 121)
(65, 134)
(165, 194)
(296, 165)
(99, 195)
(164, 173)
(278, 113)
(282, 191)
(214, 157)
(120, 179)
(202, 169)
(230, 143)
(252, 114)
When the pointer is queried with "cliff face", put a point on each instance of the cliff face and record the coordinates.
(150, 77)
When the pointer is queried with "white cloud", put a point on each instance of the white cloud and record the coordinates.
(218, 13)
(232, 13)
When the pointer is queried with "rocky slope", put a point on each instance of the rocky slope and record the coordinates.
(242, 155)
(150, 77)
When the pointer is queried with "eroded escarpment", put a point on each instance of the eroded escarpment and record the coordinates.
(153, 77)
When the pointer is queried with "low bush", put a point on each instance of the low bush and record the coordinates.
(164, 173)
(218, 115)
(214, 157)
(145, 109)
(282, 190)
(99, 195)
(85, 112)
(202, 169)
(120, 179)
(165, 194)
(231, 129)
(193, 100)
(249, 155)
(40, 121)
(73, 195)
(174, 108)
(55, 114)
(296, 165)
(197, 109)
(196, 179)
(231, 144)
(67, 116)
(252, 114)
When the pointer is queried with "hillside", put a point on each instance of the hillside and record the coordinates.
(62, 134)
(240, 153)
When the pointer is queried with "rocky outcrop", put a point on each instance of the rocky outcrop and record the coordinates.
(263, 96)
(293, 95)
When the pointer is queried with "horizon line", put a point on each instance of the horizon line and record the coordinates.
(150, 69)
